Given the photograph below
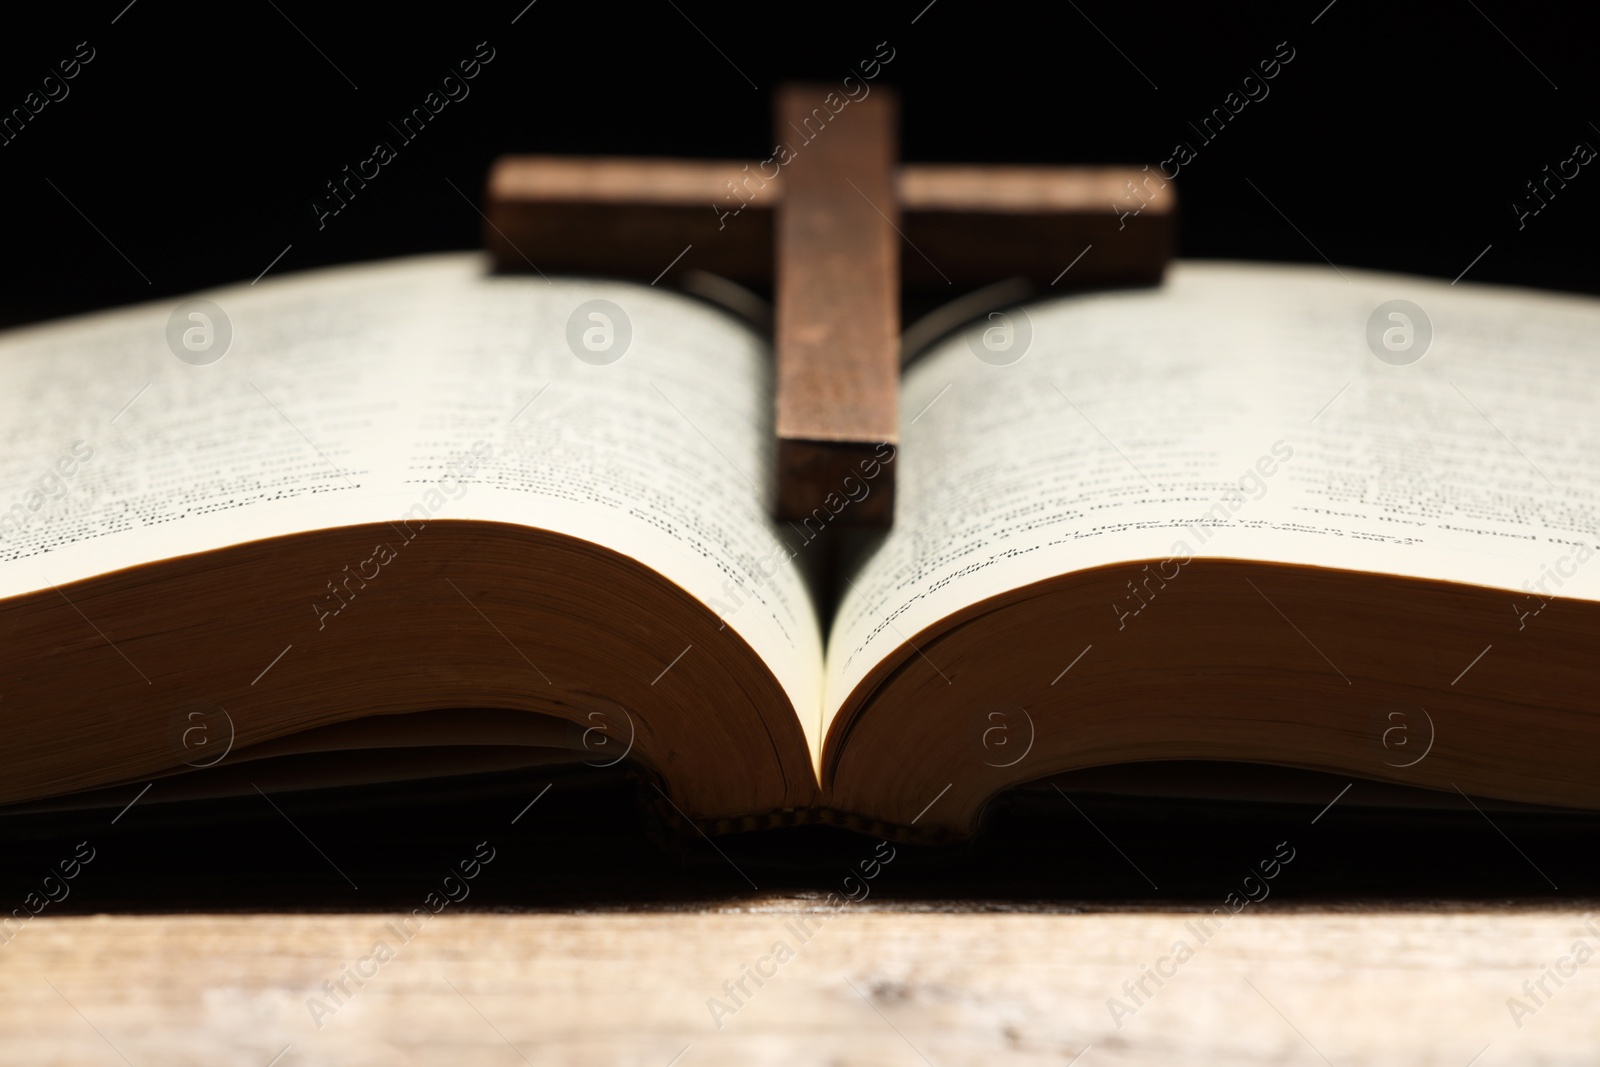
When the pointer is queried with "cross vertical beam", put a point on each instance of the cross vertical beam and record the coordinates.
(837, 288)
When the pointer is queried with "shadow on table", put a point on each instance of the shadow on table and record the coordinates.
(586, 844)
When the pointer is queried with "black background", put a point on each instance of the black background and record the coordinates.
(196, 139)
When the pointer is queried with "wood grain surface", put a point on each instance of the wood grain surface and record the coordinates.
(869, 987)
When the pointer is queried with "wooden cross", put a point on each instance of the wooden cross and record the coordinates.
(823, 221)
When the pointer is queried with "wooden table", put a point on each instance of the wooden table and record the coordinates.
(873, 986)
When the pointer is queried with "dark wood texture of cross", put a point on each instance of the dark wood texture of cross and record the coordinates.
(823, 222)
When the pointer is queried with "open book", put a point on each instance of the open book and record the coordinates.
(420, 510)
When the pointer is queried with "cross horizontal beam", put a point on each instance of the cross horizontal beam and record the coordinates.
(963, 225)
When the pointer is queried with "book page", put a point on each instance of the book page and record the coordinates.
(1240, 412)
(406, 391)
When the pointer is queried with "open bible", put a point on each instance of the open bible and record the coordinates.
(420, 519)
